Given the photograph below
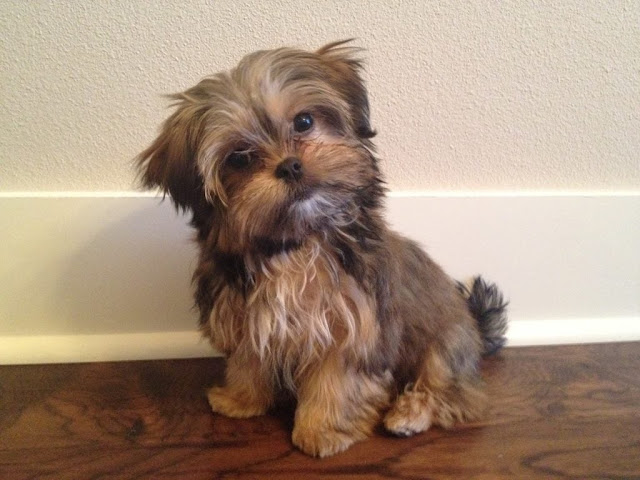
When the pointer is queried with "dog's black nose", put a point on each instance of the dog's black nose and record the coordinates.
(289, 169)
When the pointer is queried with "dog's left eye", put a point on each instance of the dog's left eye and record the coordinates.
(302, 122)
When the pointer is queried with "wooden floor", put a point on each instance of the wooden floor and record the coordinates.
(558, 413)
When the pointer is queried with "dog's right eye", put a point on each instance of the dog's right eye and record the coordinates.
(239, 159)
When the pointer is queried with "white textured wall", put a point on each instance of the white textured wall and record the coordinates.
(473, 95)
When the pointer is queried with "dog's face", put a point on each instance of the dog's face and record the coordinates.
(278, 148)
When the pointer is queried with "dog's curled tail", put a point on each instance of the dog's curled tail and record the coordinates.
(487, 305)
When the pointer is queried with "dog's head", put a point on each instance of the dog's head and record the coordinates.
(276, 149)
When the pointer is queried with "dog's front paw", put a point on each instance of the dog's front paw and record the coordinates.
(234, 403)
(322, 442)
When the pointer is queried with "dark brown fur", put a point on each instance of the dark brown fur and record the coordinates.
(301, 283)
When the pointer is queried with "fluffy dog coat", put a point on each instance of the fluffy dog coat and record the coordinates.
(300, 282)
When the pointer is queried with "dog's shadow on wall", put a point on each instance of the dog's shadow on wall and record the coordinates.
(133, 275)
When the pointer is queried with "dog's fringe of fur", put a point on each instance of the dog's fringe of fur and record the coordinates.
(487, 305)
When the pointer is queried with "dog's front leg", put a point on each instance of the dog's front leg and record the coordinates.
(249, 388)
(337, 406)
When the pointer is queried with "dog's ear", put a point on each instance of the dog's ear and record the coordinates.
(171, 161)
(345, 68)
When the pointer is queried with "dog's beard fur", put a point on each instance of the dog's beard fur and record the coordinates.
(300, 282)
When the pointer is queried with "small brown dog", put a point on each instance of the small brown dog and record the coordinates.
(300, 282)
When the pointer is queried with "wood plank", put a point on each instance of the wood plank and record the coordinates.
(569, 412)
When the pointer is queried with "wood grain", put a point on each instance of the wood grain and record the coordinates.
(570, 412)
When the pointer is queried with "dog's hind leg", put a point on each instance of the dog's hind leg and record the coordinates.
(444, 392)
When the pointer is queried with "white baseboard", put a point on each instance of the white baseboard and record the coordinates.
(107, 277)
(568, 331)
(102, 347)
(189, 344)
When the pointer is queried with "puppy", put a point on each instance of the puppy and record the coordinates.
(300, 282)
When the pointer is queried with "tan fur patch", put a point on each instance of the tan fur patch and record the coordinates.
(302, 306)
(249, 389)
(337, 406)
(412, 413)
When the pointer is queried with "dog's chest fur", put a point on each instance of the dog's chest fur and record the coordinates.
(299, 305)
